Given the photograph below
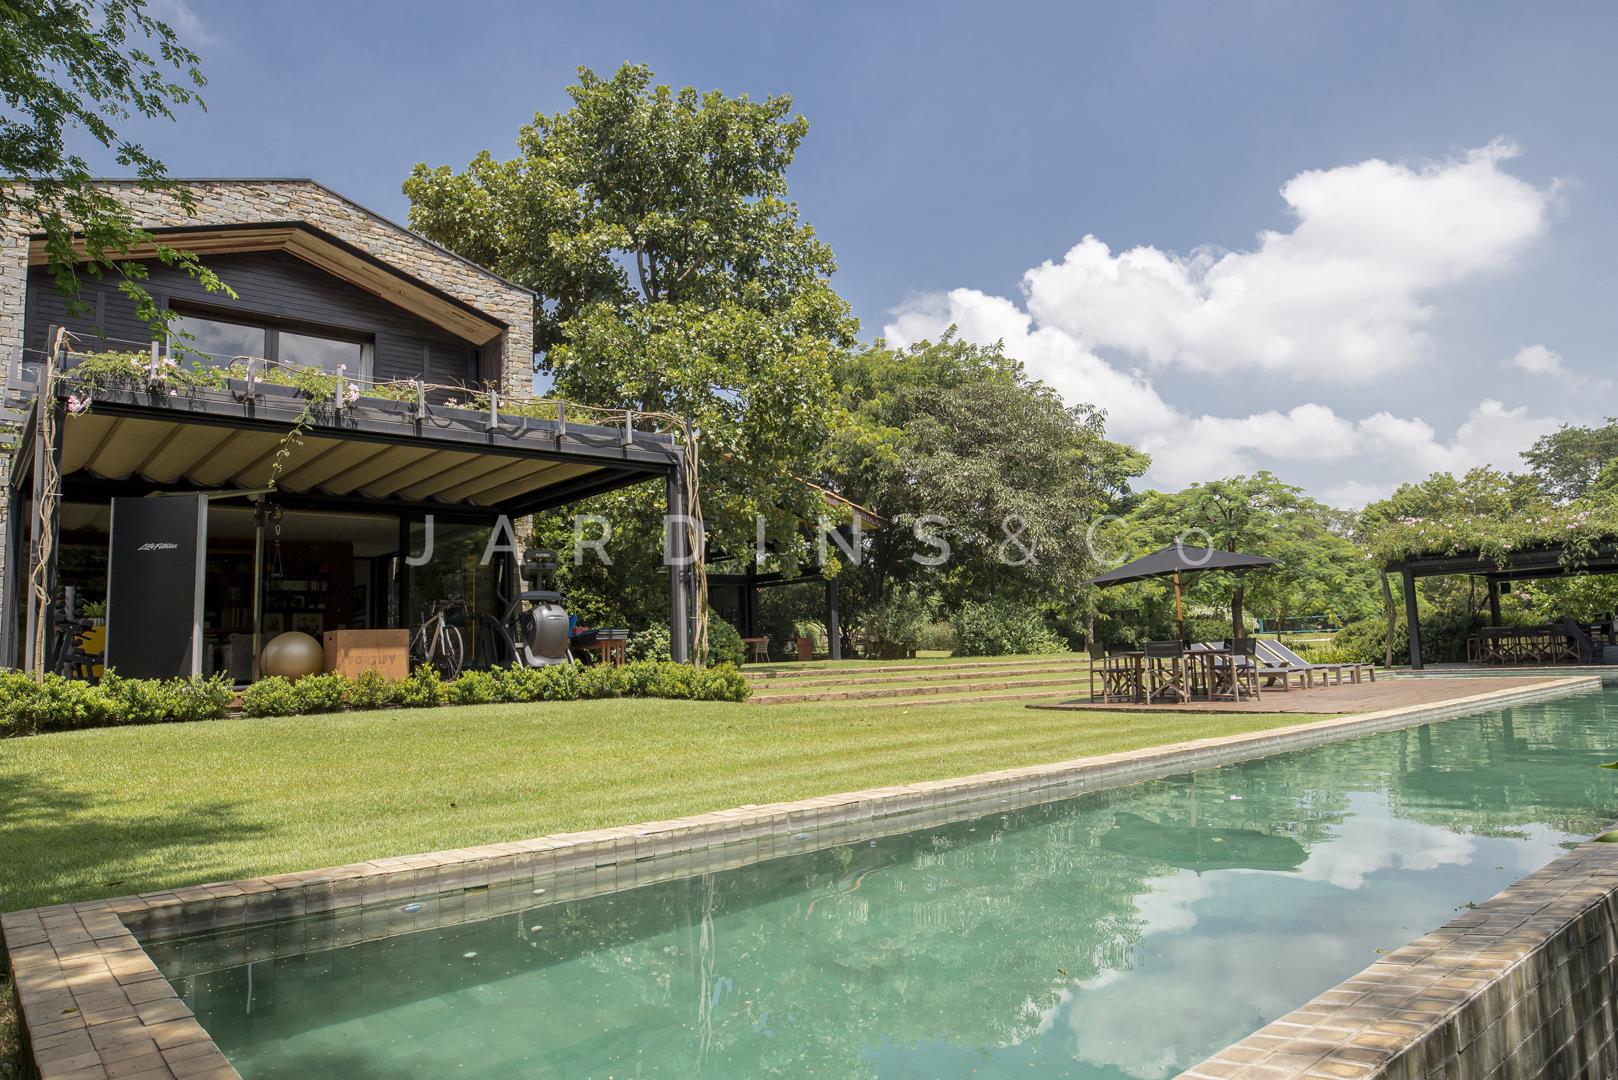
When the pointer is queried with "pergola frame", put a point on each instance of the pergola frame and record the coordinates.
(1536, 563)
(615, 457)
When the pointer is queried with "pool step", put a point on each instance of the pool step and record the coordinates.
(812, 670)
(879, 678)
(968, 691)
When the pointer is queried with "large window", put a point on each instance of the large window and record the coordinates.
(220, 341)
(215, 340)
(324, 352)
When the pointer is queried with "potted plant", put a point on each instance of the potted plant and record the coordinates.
(95, 611)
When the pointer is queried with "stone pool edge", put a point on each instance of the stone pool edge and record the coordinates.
(96, 1007)
(1521, 986)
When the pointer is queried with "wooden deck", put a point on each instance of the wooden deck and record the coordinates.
(1332, 700)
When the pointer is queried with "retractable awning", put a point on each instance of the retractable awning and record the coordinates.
(374, 453)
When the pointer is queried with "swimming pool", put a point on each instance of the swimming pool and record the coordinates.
(1126, 933)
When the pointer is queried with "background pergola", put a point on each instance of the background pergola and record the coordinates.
(1535, 563)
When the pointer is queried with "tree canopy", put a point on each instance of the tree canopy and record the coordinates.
(1568, 463)
(675, 274)
(67, 67)
(956, 439)
(1319, 569)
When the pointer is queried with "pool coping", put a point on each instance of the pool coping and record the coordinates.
(95, 1006)
(1465, 1000)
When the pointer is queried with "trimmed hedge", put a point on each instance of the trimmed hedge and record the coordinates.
(558, 682)
(59, 704)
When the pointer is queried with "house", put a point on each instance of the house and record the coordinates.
(286, 511)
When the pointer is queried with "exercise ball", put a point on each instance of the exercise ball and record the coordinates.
(292, 655)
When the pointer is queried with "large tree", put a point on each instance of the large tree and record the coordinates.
(1319, 570)
(70, 68)
(957, 432)
(1569, 462)
(675, 275)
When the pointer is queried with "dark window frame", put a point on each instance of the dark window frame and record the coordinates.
(274, 326)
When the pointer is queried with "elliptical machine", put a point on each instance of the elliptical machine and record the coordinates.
(536, 623)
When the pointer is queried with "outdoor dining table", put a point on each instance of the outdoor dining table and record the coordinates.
(1207, 673)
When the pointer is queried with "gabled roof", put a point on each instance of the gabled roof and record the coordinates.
(325, 252)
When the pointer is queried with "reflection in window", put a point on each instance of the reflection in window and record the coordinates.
(215, 341)
(309, 350)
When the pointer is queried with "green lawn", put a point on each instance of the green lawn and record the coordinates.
(807, 668)
(124, 810)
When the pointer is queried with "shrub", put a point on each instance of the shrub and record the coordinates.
(724, 642)
(722, 683)
(273, 696)
(57, 704)
(1210, 627)
(422, 689)
(475, 688)
(138, 701)
(939, 637)
(601, 681)
(319, 693)
(62, 704)
(196, 698)
(369, 690)
(1001, 628)
(895, 624)
(650, 644)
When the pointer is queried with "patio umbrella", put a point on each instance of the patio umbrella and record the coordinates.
(1184, 558)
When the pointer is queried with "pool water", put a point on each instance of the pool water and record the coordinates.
(1128, 933)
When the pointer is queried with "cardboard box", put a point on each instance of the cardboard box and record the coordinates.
(351, 652)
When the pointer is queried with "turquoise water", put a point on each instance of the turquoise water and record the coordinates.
(1123, 934)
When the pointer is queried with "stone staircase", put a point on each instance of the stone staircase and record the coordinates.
(894, 684)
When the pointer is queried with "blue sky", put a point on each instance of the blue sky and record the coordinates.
(1455, 207)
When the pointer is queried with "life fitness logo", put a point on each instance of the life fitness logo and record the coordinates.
(158, 545)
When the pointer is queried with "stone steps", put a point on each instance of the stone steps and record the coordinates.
(1048, 694)
(957, 691)
(884, 677)
(808, 670)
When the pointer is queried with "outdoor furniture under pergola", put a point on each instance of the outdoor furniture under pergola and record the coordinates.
(1177, 559)
(1565, 642)
(1171, 671)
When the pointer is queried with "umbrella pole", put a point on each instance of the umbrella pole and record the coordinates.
(1179, 611)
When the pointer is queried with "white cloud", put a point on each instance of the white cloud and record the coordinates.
(1187, 447)
(1343, 295)
(1538, 360)
(1339, 296)
(187, 25)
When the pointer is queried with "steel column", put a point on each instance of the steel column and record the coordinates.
(1412, 622)
(678, 548)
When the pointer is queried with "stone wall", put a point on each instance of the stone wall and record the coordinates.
(1521, 988)
(238, 202)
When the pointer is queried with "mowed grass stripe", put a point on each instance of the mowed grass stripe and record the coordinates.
(124, 810)
(999, 671)
(836, 669)
(857, 693)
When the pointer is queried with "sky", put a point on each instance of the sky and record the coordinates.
(1350, 243)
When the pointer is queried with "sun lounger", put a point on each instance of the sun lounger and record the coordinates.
(1270, 672)
(1274, 656)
